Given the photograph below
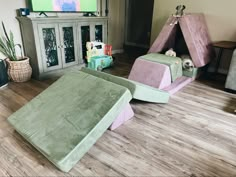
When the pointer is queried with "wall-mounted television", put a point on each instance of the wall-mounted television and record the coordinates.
(63, 5)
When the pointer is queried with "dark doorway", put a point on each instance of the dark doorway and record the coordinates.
(138, 23)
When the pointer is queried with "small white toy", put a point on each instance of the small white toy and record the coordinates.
(170, 53)
(91, 50)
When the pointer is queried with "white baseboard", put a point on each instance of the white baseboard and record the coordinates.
(221, 71)
(117, 51)
(3, 86)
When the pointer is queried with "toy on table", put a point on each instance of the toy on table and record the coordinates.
(99, 55)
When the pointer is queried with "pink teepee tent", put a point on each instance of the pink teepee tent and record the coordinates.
(191, 31)
(187, 35)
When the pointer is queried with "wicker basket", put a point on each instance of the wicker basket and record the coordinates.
(19, 71)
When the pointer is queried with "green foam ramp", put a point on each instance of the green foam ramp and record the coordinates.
(65, 120)
(139, 91)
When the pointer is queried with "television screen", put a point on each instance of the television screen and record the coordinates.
(64, 5)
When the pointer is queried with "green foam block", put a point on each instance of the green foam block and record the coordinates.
(139, 91)
(174, 63)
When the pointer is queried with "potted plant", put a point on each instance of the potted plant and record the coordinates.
(19, 69)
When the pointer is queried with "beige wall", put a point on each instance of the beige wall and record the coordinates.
(8, 14)
(220, 16)
(116, 23)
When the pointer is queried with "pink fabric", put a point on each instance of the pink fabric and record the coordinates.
(196, 36)
(124, 116)
(150, 73)
(178, 84)
(165, 39)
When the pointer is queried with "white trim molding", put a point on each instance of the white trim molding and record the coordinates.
(117, 51)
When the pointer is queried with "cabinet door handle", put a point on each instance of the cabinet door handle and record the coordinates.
(59, 46)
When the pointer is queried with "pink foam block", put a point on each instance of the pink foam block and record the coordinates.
(150, 73)
(124, 116)
(178, 84)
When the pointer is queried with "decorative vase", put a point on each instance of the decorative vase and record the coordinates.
(19, 71)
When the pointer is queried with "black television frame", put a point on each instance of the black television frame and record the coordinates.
(30, 5)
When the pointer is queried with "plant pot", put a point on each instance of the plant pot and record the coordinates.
(19, 71)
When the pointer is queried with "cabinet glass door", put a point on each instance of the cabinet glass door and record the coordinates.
(85, 37)
(68, 49)
(49, 39)
(99, 33)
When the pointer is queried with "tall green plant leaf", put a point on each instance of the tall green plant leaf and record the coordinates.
(4, 47)
(7, 45)
(4, 29)
(9, 50)
(12, 46)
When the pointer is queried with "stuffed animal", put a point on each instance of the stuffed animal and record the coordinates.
(179, 11)
(187, 63)
(170, 53)
(91, 50)
(89, 46)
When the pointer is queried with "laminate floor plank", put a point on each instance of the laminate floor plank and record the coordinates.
(193, 135)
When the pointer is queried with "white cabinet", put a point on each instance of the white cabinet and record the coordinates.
(57, 44)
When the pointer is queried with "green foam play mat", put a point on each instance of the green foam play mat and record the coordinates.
(65, 120)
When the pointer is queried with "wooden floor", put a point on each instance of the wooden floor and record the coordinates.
(193, 135)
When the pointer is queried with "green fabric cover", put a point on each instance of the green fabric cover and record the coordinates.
(174, 63)
(139, 91)
(65, 120)
(192, 74)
